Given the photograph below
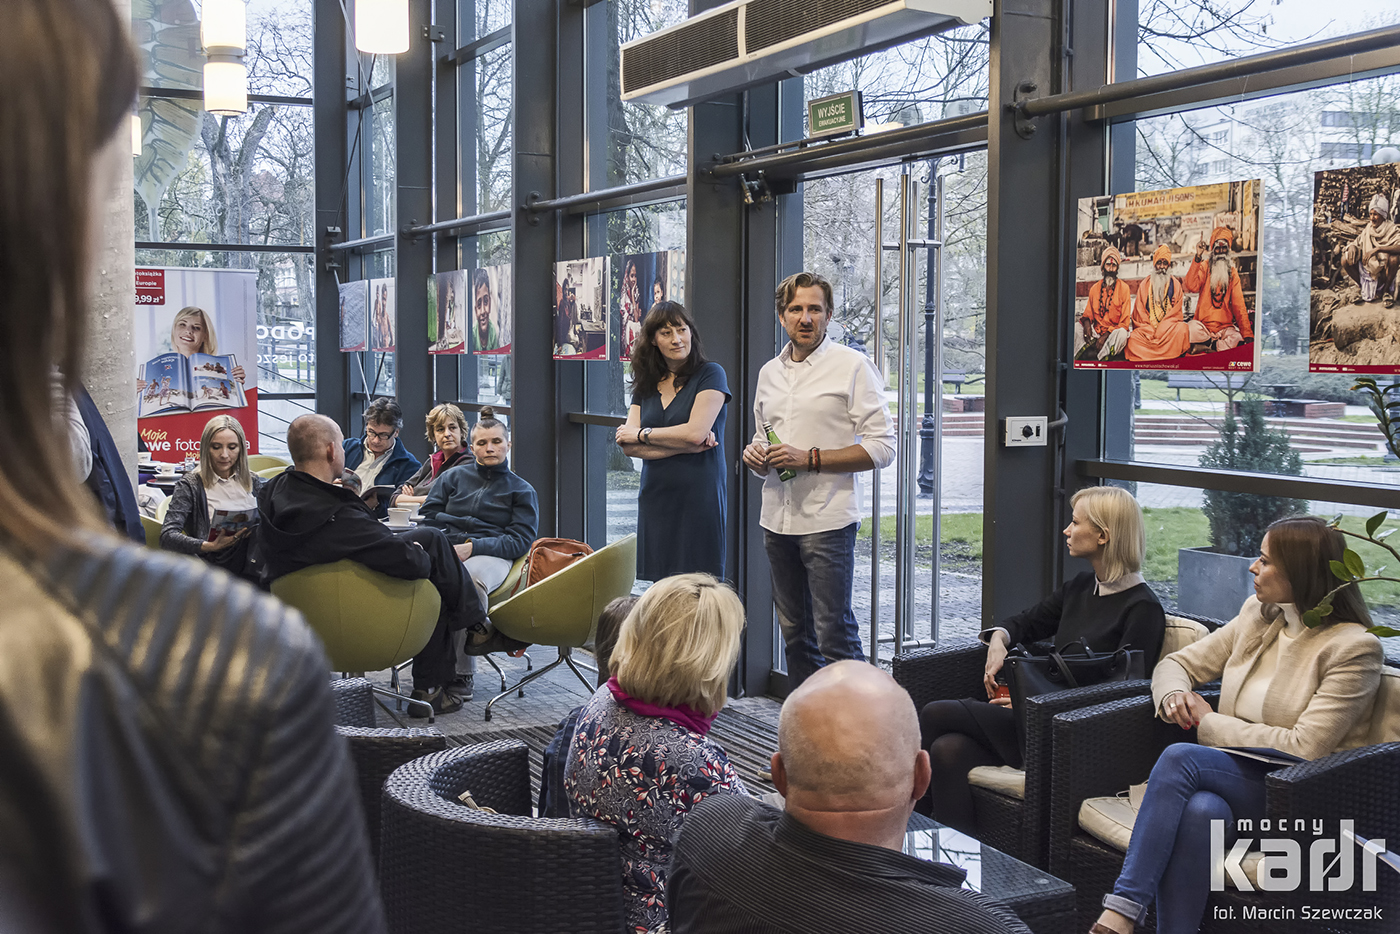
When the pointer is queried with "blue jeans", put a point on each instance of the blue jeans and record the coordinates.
(1169, 855)
(812, 590)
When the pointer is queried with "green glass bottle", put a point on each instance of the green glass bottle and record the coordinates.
(786, 475)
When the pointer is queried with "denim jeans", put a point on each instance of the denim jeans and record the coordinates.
(812, 590)
(1169, 855)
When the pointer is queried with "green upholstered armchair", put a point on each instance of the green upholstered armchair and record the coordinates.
(562, 609)
(260, 462)
(367, 621)
(152, 530)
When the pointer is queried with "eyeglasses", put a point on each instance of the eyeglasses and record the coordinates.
(380, 435)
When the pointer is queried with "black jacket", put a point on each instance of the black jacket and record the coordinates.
(109, 480)
(303, 521)
(186, 524)
(167, 756)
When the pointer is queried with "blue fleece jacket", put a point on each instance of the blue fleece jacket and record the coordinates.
(488, 506)
(396, 470)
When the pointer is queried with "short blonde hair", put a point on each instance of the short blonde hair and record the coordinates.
(444, 413)
(679, 644)
(206, 464)
(1115, 513)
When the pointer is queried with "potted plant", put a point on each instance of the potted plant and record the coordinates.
(1215, 580)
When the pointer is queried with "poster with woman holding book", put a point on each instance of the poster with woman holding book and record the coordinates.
(195, 328)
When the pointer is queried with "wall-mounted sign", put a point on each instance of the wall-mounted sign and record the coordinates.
(834, 115)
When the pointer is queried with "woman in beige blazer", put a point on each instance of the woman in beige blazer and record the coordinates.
(1306, 692)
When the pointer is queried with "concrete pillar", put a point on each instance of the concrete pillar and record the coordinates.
(110, 370)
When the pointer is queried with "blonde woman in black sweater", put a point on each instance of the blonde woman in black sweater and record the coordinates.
(1108, 608)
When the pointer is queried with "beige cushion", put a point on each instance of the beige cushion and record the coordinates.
(1111, 821)
(1002, 779)
(1180, 633)
(1385, 716)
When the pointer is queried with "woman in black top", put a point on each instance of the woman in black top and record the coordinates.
(1107, 608)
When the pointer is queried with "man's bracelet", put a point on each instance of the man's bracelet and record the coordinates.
(814, 456)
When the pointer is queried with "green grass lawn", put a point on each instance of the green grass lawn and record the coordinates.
(964, 528)
(1156, 389)
(1168, 529)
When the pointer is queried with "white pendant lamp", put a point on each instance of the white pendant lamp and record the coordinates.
(381, 26)
(137, 135)
(223, 29)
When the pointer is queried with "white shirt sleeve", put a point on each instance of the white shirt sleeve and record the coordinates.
(870, 414)
(70, 421)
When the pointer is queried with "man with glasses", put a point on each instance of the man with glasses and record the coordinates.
(381, 458)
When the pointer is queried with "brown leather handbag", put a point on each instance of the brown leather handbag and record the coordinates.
(549, 556)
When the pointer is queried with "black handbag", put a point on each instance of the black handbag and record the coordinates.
(1034, 670)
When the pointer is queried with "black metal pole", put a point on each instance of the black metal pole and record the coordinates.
(928, 430)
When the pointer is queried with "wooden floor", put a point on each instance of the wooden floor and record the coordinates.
(747, 728)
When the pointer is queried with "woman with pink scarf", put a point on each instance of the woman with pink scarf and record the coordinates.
(640, 758)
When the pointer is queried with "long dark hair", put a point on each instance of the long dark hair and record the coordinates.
(70, 78)
(1304, 547)
(648, 365)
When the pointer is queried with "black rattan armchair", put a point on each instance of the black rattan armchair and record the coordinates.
(1100, 751)
(376, 751)
(1014, 826)
(446, 867)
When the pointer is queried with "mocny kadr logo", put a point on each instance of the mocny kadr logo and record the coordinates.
(1331, 863)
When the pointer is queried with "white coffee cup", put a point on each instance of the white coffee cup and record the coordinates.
(399, 516)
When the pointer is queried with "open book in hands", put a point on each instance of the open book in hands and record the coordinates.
(175, 383)
(231, 522)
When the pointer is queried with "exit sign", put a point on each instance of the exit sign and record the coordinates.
(834, 115)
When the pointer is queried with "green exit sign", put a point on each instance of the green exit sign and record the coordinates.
(834, 115)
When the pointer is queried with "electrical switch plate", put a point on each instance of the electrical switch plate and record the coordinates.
(1026, 432)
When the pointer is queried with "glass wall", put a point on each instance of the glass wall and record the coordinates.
(232, 180)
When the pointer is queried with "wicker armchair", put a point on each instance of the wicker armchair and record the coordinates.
(506, 873)
(1100, 751)
(1017, 826)
(376, 751)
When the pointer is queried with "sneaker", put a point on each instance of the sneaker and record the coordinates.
(461, 687)
(484, 642)
(442, 701)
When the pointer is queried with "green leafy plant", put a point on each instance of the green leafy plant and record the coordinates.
(1238, 520)
(1351, 570)
(1384, 403)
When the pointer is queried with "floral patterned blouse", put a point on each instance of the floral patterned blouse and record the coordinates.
(642, 775)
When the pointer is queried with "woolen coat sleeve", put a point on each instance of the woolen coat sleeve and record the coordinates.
(1201, 661)
(181, 519)
(515, 540)
(1346, 693)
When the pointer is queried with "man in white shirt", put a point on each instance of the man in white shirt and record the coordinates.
(826, 403)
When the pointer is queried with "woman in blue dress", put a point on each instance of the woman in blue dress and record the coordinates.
(676, 426)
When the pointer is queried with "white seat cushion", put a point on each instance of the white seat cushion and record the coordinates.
(1180, 633)
(1110, 820)
(1385, 716)
(1002, 779)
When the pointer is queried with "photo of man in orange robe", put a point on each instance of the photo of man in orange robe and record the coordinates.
(1106, 318)
(1221, 316)
(1159, 327)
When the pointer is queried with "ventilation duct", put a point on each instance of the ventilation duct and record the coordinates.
(749, 42)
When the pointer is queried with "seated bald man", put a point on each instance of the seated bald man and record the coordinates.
(308, 517)
(850, 768)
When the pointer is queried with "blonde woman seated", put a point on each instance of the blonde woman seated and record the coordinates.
(223, 482)
(1108, 608)
(1306, 692)
(640, 759)
(447, 429)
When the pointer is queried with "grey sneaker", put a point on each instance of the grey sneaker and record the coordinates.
(461, 687)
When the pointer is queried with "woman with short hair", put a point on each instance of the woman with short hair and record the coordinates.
(222, 483)
(1107, 608)
(447, 429)
(1304, 691)
(640, 758)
